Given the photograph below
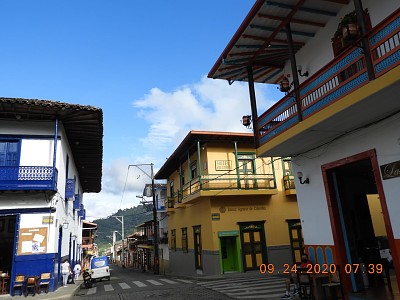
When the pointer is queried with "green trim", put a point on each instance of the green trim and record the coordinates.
(228, 233)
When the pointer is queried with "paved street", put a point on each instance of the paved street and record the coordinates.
(131, 284)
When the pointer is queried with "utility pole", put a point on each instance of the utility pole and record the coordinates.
(121, 220)
(155, 222)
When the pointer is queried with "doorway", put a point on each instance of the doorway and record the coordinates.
(229, 254)
(360, 223)
(296, 240)
(7, 238)
(254, 249)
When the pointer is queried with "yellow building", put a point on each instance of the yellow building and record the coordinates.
(228, 210)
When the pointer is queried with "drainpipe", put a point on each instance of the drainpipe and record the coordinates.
(294, 72)
(253, 105)
(364, 40)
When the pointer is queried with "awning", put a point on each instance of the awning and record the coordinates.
(261, 42)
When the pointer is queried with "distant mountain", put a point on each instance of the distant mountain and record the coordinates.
(132, 217)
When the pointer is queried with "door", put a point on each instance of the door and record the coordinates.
(247, 171)
(296, 240)
(197, 247)
(254, 249)
(229, 254)
(360, 221)
(9, 160)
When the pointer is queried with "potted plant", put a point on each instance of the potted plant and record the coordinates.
(349, 26)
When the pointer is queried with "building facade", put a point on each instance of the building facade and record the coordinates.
(227, 209)
(50, 155)
(338, 120)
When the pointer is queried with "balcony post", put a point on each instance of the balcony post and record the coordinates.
(294, 72)
(253, 105)
(364, 40)
(189, 173)
(55, 150)
(199, 163)
(237, 166)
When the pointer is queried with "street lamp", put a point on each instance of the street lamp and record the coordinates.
(121, 220)
(151, 176)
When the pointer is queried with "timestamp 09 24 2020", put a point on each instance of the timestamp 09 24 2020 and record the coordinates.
(323, 268)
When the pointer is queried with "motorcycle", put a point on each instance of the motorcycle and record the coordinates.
(87, 279)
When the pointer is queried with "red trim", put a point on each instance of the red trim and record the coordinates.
(334, 213)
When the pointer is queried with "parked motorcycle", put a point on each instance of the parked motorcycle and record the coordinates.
(87, 279)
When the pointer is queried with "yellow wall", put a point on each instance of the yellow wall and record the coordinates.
(274, 209)
(196, 214)
(375, 209)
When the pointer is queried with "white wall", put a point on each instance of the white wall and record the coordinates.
(318, 51)
(384, 137)
(39, 152)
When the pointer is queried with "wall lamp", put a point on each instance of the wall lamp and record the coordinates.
(246, 120)
(300, 177)
(299, 69)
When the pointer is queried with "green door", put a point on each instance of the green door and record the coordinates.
(229, 254)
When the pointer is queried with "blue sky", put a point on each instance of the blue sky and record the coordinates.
(143, 62)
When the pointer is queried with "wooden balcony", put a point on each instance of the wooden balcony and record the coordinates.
(28, 178)
(288, 184)
(337, 99)
(228, 185)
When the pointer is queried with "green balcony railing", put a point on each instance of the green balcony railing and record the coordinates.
(229, 182)
(288, 182)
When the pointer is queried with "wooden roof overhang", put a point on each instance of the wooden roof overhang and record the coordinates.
(261, 41)
(189, 142)
(83, 126)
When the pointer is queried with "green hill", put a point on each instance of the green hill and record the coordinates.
(132, 217)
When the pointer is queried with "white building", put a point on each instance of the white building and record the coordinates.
(42, 182)
(338, 64)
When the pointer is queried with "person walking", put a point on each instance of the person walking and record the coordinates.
(65, 271)
(77, 270)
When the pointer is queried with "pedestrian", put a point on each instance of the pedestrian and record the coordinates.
(65, 271)
(305, 263)
(77, 270)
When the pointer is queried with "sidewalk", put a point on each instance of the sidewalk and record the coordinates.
(61, 293)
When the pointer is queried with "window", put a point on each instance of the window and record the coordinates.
(9, 153)
(184, 240)
(173, 240)
(182, 178)
(193, 169)
(171, 188)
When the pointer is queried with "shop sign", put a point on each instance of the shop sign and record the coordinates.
(223, 165)
(390, 170)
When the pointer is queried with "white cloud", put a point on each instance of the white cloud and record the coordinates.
(207, 105)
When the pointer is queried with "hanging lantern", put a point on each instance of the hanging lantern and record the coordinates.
(246, 120)
(284, 85)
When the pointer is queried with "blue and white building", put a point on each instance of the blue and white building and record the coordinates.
(50, 155)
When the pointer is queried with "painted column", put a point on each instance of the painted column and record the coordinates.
(294, 71)
(253, 104)
(199, 163)
(237, 166)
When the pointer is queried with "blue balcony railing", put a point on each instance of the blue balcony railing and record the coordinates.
(343, 75)
(25, 178)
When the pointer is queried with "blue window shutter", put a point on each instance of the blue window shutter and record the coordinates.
(69, 189)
